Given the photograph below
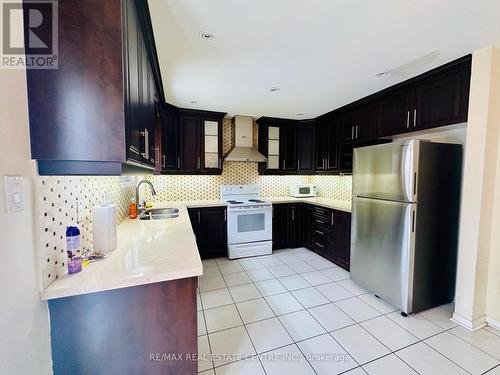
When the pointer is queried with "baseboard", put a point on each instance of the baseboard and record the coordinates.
(470, 325)
(493, 323)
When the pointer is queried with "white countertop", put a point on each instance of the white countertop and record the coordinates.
(152, 251)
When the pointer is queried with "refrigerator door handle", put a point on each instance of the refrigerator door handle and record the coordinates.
(406, 171)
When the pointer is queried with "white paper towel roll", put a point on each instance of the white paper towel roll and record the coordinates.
(104, 227)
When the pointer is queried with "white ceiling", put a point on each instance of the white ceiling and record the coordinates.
(322, 54)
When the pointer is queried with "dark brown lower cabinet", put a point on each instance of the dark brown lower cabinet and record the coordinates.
(325, 231)
(210, 228)
(126, 331)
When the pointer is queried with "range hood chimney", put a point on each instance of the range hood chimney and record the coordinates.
(242, 148)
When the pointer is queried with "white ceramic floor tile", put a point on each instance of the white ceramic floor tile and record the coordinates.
(294, 282)
(416, 325)
(281, 270)
(362, 346)
(289, 258)
(462, 353)
(237, 278)
(230, 268)
(315, 278)
(208, 372)
(301, 325)
(268, 334)
(482, 339)
(301, 267)
(256, 309)
(495, 371)
(283, 303)
(230, 345)
(270, 287)
(377, 303)
(251, 264)
(260, 274)
(211, 283)
(210, 270)
(310, 297)
(357, 309)
(320, 264)
(427, 361)
(492, 330)
(250, 366)
(333, 291)
(440, 317)
(224, 260)
(199, 307)
(389, 333)
(202, 330)
(208, 262)
(309, 256)
(286, 361)
(356, 371)
(326, 356)
(331, 317)
(244, 292)
(270, 260)
(215, 298)
(223, 317)
(336, 273)
(352, 287)
(388, 365)
(204, 356)
(298, 250)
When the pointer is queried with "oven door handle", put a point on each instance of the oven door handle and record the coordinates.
(249, 211)
(247, 245)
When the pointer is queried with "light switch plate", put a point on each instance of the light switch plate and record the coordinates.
(13, 193)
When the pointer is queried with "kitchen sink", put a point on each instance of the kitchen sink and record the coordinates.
(159, 214)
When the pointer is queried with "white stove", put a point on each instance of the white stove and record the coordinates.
(249, 221)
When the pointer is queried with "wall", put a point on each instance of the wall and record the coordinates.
(24, 325)
(477, 291)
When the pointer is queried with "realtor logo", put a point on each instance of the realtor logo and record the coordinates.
(29, 34)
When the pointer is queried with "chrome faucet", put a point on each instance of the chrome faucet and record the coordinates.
(153, 191)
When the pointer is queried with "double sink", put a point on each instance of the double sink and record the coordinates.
(159, 214)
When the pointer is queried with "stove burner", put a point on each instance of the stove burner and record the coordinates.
(234, 202)
(256, 200)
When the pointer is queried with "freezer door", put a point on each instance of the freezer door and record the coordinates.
(382, 238)
(386, 171)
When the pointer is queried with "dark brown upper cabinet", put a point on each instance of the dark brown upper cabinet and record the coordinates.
(288, 144)
(305, 147)
(394, 113)
(358, 124)
(327, 143)
(97, 110)
(192, 141)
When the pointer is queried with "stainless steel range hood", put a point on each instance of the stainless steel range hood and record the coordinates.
(242, 148)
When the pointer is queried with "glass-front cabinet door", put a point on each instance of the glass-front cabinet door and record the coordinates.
(211, 155)
(273, 147)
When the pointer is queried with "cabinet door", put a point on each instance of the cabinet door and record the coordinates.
(342, 239)
(289, 147)
(332, 144)
(394, 113)
(280, 226)
(359, 124)
(133, 77)
(442, 100)
(272, 140)
(305, 142)
(189, 142)
(170, 147)
(306, 220)
(321, 144)
(211, 143)
(195, 217)
(213, 232)
(294, 232)
(345, 157)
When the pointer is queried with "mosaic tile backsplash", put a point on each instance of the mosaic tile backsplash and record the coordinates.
(59, 196)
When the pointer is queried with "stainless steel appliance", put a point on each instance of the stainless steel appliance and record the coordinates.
(302, 190)
(249, 221)
(405, 219)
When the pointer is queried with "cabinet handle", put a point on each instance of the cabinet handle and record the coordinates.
(331, 220)
(414, 118)
(163, 163)
(225, 215)
(319, 221)
(199, 217)
(198, 163)
(317, 244)
(284, 164)
(352, 132)
(324, 163)
(293, 215)
(145, 134)
(357, 131)
(298, 164)
(319, 232)
(178, 162)
(219, 163)
(407, 119)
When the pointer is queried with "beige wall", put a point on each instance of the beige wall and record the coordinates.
(24, 325)
(478, 243)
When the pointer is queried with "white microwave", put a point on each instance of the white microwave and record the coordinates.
(302, 190)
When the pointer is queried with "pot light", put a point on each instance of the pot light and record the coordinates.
(300, 114)
(383, 74)
(274, 89)
(193, 102)
(206, 35)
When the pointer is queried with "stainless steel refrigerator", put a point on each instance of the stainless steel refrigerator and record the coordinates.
(404, 234)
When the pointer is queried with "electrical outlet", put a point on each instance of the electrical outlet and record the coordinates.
(79, 211)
